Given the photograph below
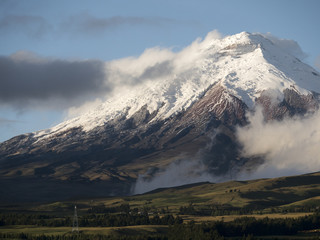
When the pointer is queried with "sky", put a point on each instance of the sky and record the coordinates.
(52, 53)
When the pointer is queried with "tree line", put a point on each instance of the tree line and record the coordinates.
(89, 220)
(244, 226)
(108, 220)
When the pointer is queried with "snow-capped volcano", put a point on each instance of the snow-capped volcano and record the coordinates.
(243, 64)
(180, 102)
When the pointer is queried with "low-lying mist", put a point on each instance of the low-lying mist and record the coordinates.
(181, 172)
(185, 170)
(290, 146)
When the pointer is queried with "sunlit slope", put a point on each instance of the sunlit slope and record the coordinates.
(262, 193)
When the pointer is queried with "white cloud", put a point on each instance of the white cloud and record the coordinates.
(153, 64)
(191, 53)
(86, 107)
(133, 70)
(290, 146)
(130, 70)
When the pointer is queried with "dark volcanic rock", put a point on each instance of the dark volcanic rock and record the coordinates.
(292, 104)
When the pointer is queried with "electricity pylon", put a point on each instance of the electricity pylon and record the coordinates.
(75, 225)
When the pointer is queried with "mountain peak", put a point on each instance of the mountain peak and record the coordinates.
(245, 64)
(241, 37)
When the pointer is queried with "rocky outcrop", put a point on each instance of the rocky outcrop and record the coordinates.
(292, 104)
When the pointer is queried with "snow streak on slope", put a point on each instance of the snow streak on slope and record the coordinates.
(167, 82)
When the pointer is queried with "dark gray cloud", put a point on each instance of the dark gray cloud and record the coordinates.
(25, 78)
(86, 23)
(33, 26)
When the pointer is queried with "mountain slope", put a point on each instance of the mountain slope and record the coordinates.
(294, 193)
(188, 105)
(284, 192)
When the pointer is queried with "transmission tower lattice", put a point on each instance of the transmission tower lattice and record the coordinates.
(75, 225)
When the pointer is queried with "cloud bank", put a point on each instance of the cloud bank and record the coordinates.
(26, 77)
(290, 146)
